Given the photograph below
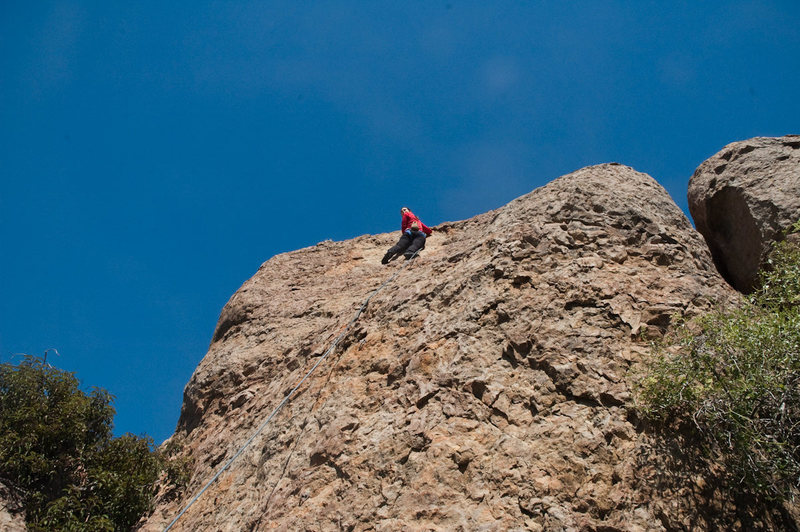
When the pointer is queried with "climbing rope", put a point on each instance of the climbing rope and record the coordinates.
(291, 393)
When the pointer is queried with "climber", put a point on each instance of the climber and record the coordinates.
(412, 240)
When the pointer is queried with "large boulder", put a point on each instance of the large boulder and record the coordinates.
(742, 199)
(485, 388)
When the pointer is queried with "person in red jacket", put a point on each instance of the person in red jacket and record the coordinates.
(412, 239)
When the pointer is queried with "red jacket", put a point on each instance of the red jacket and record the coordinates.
(409, 218)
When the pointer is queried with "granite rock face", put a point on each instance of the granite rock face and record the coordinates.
(485, 388)
(742, 199)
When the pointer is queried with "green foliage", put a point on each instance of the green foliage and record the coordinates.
(780, 282)
(733, 377)
(177, 467)
(57, 450)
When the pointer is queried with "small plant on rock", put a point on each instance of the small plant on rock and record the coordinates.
(733, 379)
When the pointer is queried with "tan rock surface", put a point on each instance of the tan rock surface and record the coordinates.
(12, 515)
(486, 388)
(742, 199)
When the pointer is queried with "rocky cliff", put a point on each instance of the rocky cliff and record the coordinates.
(486, 388)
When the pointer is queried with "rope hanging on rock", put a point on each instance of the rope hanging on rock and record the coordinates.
(291, 393)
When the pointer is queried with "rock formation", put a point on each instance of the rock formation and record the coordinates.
(742, 199)
(12, 515)
(486, 388)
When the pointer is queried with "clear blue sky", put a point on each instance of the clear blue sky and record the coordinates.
(154, 154)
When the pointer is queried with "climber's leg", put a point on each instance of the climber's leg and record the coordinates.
(402, 245)
(417, 244)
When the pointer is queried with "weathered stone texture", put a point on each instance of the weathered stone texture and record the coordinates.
(742, 199)
(486, 388)
(12, 515)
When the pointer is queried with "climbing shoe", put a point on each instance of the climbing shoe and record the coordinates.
(386, 258)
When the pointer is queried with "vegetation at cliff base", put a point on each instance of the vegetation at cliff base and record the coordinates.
(58, 453)
(733, 379)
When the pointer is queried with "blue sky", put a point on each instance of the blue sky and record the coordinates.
(153, 155)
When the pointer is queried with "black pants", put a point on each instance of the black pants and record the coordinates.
(408, 244)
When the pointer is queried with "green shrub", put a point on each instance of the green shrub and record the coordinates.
(733, 378)
(57, 451)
